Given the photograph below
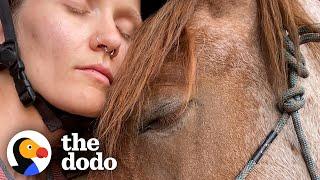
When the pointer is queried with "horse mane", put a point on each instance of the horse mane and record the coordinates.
(159, 36)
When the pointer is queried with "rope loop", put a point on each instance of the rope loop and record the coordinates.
(313, 28)
(292, 100)
(309, 33)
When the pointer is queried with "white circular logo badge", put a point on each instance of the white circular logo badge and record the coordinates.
(29, 153)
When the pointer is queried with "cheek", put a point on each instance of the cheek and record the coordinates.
(37, 43)
(49, 45)
(48, 37)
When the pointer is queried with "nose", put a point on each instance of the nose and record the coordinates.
(106, 39)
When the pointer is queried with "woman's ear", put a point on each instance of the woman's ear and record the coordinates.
(1, 34)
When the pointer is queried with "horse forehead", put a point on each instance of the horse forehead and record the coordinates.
(224, 40)
(230, 22)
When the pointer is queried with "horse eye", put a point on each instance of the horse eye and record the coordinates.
(164, 113)
(29, 147)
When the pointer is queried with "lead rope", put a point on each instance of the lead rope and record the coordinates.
(291, 101)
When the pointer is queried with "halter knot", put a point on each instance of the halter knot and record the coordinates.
(292, 100)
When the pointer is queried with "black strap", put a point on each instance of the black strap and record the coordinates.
(48, 117)
(9, 57)
(8, 47)
(55, 118)
(6, 20)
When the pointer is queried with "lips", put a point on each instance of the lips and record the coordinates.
(97, 71)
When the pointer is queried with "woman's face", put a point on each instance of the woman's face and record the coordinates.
(62, 45)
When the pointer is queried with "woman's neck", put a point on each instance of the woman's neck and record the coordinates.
(14, 117)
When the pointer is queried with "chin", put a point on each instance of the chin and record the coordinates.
(87, 109)
(80, 100)
(90, 112)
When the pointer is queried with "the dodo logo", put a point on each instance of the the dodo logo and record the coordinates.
(29, 153)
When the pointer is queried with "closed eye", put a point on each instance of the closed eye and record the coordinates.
(77, 10)
(124, 35)
(165, 114)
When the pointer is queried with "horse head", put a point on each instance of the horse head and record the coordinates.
(197, 93)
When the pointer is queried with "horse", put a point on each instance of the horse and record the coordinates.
(198, 91)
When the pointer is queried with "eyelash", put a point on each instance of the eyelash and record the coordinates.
(77, 11)
(124, 35)
(84, 12)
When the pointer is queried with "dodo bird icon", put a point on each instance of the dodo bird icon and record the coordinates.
(24, 150)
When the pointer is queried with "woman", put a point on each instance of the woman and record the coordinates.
(71, 50)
